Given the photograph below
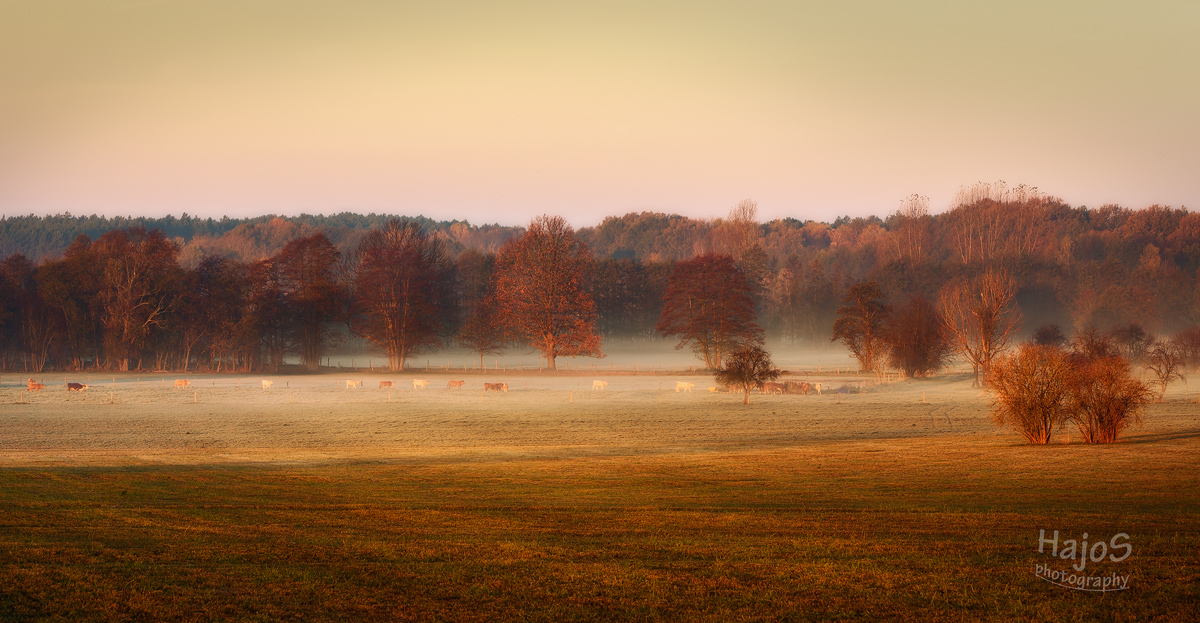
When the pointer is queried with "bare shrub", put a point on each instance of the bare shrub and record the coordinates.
(1106, 399)
(747, 368)
(1033, 391)
(1165, 360)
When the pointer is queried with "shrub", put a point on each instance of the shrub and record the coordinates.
(1033, 391)
(1106, 399)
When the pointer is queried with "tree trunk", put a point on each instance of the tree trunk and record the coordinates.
(746, 400)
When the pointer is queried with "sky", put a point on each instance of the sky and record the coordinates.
(496, 112)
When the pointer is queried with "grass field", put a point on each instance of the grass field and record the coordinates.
(553, 502)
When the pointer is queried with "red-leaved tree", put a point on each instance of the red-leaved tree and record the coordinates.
(541, 291)
(708, 305)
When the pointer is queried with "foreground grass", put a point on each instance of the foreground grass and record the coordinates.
(919, 529)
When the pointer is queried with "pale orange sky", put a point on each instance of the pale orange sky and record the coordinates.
(497, 112)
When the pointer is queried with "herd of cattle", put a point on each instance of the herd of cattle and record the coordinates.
(787, 387)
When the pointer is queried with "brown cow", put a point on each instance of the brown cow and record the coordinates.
(34, 386)
(455, 384)
(182, 383)
(386, 384)
(76, 387)
(495, 387)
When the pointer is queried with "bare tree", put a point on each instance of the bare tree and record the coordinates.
(140, 272)
(1033, 391)
(981, 317)
(1165, 360)
(747, 368)
(912, 237)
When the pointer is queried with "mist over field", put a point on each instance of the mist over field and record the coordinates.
(554, 311)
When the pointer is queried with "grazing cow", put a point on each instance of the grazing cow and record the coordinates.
(600, 385)
(353, 384)
(495, 387)
(420, 384)
(76, 387)
(681, 386)
(455, 384)
(34, 386)
(772, 388)
(386, 385)
(713, 389)
(182, 383)
(267, 384)
(817, 387)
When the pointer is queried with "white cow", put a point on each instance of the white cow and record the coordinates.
(420, 384)
(600, 385)
(353, 384)
(681, 386)
(817, 386)
(267, 384)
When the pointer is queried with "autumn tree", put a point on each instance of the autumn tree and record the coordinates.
(482, 330)
(1033, 389)
(861, 324)
(139, 275)
(981, 317)
(402, 291)
(262, 329)
(34, 329)
(71, 289)
(541, 290)
(212, 302)
(311, 291)
(747, 367)
(915, 337)
(708, 305)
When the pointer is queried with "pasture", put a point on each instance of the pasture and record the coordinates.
(557, 501)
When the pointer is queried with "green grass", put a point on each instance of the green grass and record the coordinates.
(929, 528)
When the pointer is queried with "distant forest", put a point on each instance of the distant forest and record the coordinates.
(1075, 267)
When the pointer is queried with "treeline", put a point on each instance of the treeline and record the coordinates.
(228, 294)
(246, 240)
